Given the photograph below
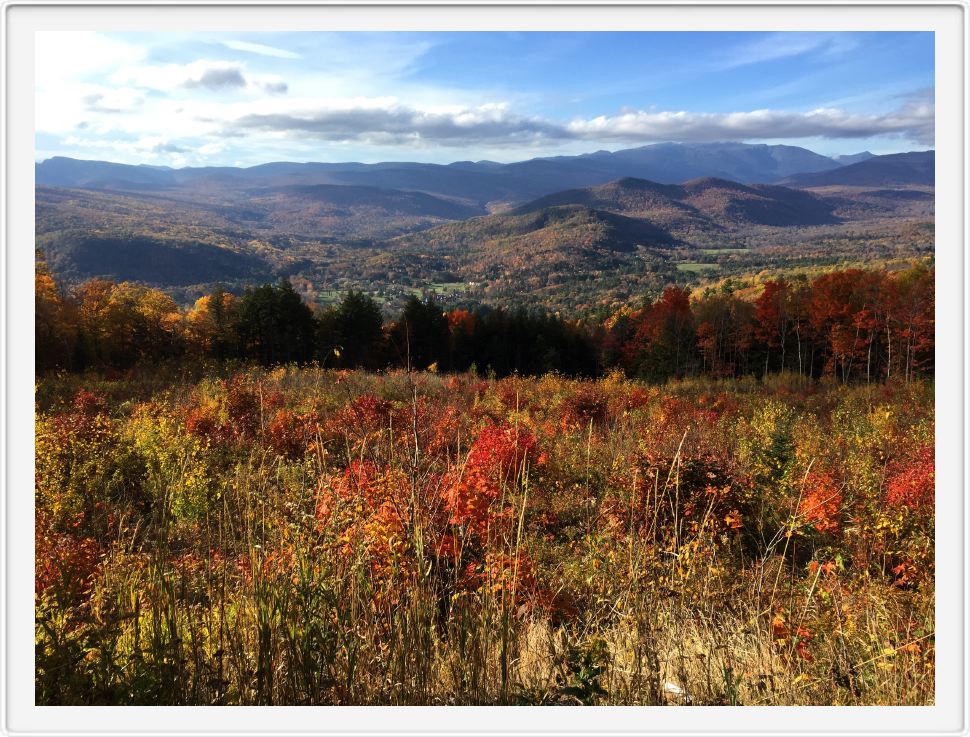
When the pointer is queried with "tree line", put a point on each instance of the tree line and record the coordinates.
(854, 325)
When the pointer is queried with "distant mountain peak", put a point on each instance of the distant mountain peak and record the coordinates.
(846, 159)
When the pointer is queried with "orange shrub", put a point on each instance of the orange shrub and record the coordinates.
(821, 504)
(369, 509)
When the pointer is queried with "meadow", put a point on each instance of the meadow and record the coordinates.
(305, 535)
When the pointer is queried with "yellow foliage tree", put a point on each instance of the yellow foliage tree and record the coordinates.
(55, 323)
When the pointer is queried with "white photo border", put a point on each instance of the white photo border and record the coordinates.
(19, 22)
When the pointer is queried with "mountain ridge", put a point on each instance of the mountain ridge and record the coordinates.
(910, 168)
(707, 202)
(486, 180)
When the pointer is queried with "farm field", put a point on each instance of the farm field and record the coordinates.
(697, 268)
(314, 536)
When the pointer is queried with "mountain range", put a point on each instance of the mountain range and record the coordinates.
(485, 184)
(548, 220)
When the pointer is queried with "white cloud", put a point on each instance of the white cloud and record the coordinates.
(267, 83)
(212, 148)
(216, 77)
(784, 45)
(261, 49)
(147, 145)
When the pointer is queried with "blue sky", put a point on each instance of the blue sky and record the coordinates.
(248, 98)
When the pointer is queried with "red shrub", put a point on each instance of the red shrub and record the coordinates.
(355, 480)
(503, 449)
(589, 404)
(239, 415)
(244, 405)
(497, 459)
(786, 637)
(66, 562)
(438, 426)
(635, 398)
(364, 415)
(88, 403)
(202, 423)
(513, 396)
(291, 434)
(911, 483)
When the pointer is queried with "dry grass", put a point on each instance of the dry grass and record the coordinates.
(654, 546)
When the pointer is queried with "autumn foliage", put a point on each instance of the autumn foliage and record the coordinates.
(853, 325)
(523, 540)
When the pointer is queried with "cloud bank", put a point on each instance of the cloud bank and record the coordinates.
(391, 122)
(388, 122)
(912, 120)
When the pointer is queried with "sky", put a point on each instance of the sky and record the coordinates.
(241, 99)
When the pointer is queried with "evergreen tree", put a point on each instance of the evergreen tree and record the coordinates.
(420, 337)
(275, 326)
(358, 331)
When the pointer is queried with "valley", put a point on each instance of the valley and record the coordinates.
(586, 234)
